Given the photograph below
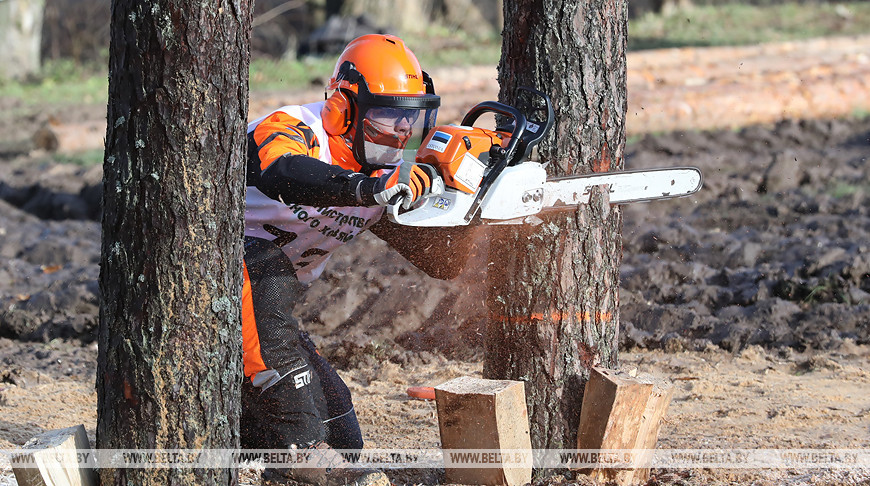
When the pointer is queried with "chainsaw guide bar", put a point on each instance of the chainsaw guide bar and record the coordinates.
(625, 187)
(522, 191)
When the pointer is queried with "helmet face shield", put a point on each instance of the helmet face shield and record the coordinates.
(388, 132)
(390, 125)
(392, 116)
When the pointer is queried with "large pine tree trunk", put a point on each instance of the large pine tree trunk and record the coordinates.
(169, 365)
(553, 288)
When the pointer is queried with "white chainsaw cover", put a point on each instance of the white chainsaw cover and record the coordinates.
(518, 192)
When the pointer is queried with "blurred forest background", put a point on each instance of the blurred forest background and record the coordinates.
(294, 41)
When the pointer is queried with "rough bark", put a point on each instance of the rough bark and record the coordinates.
(169, 364)
(20, 34)
(553, 288)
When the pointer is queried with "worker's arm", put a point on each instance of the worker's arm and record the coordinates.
(284, 164)
(440, 252)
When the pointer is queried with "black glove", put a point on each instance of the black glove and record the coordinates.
(409, 184)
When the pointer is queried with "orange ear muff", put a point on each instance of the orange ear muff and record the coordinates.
(336, 114)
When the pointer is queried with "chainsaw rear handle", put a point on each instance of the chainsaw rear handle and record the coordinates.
(436, 189)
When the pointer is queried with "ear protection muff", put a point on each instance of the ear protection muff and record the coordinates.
(337, 114)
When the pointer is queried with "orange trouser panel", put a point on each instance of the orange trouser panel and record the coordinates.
(250, 338)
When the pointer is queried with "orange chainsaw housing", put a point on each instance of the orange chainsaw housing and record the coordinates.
(446, 147)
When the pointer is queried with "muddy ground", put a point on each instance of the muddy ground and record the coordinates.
(752, 296)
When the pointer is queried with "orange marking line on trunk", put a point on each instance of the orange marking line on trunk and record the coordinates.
(585, 316)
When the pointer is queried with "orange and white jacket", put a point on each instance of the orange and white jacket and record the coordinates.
(297, 197)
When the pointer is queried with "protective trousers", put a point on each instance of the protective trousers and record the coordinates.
(291, 396)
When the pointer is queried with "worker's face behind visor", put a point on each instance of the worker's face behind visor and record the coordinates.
(390, 132)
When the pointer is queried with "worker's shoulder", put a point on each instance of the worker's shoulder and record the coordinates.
(308, 114)
(304, 119)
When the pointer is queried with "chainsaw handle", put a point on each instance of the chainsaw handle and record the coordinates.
(536, 129)
(505, 110)
(492, 107)
(435, 190)
(499, 158)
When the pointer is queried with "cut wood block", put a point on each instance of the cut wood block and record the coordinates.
(70, 137)
(474, 413)
(60, 457)
(621, 412)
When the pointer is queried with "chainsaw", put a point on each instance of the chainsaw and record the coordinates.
(487, 177)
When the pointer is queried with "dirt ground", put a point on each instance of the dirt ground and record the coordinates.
(756, 399)
(753, 297)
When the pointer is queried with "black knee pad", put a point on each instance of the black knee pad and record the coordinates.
(284, 414)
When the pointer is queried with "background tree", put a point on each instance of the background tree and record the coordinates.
(20, 34)
(169, 364)
(553, 292)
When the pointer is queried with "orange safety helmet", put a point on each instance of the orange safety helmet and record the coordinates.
(377, 85)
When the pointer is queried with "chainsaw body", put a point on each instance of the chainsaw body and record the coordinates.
(488, 178)
(460, 154)
(517, 193)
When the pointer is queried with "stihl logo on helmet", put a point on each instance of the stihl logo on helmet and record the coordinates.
(385, 62)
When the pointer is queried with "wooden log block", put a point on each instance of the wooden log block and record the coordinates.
(474, 413)
(57, 136)
(56, 458)
(622, 412)
(653, 415)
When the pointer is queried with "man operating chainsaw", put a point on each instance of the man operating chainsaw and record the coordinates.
(318, 175)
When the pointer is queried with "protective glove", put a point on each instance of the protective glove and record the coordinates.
(410, 183)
